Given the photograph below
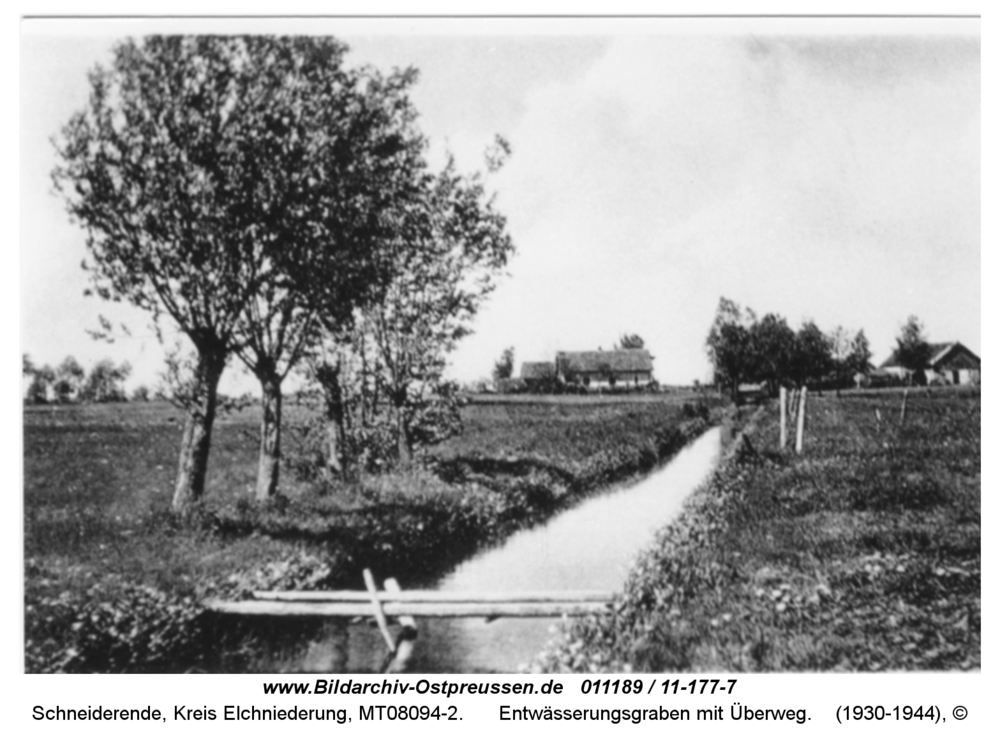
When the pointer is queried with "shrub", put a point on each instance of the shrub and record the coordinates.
(439, 418)
(696, 410)
(117, 628)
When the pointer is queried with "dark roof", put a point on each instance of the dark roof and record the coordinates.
(537, 370)
(623, 360)
(951, 351)
(938, 353)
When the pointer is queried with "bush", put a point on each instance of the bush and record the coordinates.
(370, 449)
(128, 628)
(696, 410)
(439, 418)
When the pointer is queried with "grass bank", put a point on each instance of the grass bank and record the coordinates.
(862, 554)
(113, 581)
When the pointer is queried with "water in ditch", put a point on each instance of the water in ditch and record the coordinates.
(589, 547)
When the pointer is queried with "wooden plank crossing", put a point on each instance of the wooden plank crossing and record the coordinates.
(405, 606)
(436, 596)
(456, 609)
(399, 604)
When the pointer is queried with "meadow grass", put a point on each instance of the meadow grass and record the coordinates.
(567, 430)
(861, 554)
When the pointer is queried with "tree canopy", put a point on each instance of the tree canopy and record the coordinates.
(69, 379)
(631, 341)
(454, 247)
(730, 346)
(745, 349)
(104, 383)
(503, 368)
(812, 359)
(860, 355)
(237, 186)
(773, 351)
(912, 350)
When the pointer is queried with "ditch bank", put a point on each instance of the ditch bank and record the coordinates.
(663, 576)
(416, 528)
(861, 554)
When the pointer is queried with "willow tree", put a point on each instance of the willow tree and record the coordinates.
(454, 247)
(351, 160)
(214, 175)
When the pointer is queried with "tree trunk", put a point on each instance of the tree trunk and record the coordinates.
(269, 463)
(334, 455)
(403, 441)
(197, 440)
(335, 427)
(336, 433)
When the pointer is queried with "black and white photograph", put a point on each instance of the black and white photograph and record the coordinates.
(642, 346)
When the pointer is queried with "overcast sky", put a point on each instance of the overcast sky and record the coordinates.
(817, 169)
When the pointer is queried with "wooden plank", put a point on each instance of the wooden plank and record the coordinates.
(421, 610)
(433, 596)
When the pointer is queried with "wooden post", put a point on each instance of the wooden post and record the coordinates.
(802, 422)
(784, 408)
(380, 619)
(902, 411)
(407, 637)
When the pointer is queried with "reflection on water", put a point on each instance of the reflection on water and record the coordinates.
(590, 547)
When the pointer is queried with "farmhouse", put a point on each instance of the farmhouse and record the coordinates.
(950, 363)
(538, 375)
(621, 368)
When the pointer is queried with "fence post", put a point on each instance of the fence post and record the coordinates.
(802, 421)
(784, 416)
(902, 411)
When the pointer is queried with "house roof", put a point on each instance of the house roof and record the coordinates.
(938, 353)
(537, 370)
(622, 360)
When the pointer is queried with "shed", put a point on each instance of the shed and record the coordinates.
(951, 363)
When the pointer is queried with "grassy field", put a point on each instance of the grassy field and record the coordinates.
(566, 429)
(862, 554)
(113, 580)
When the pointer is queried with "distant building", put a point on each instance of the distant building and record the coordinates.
(621, 368)
(538, 375)
(950, 363)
